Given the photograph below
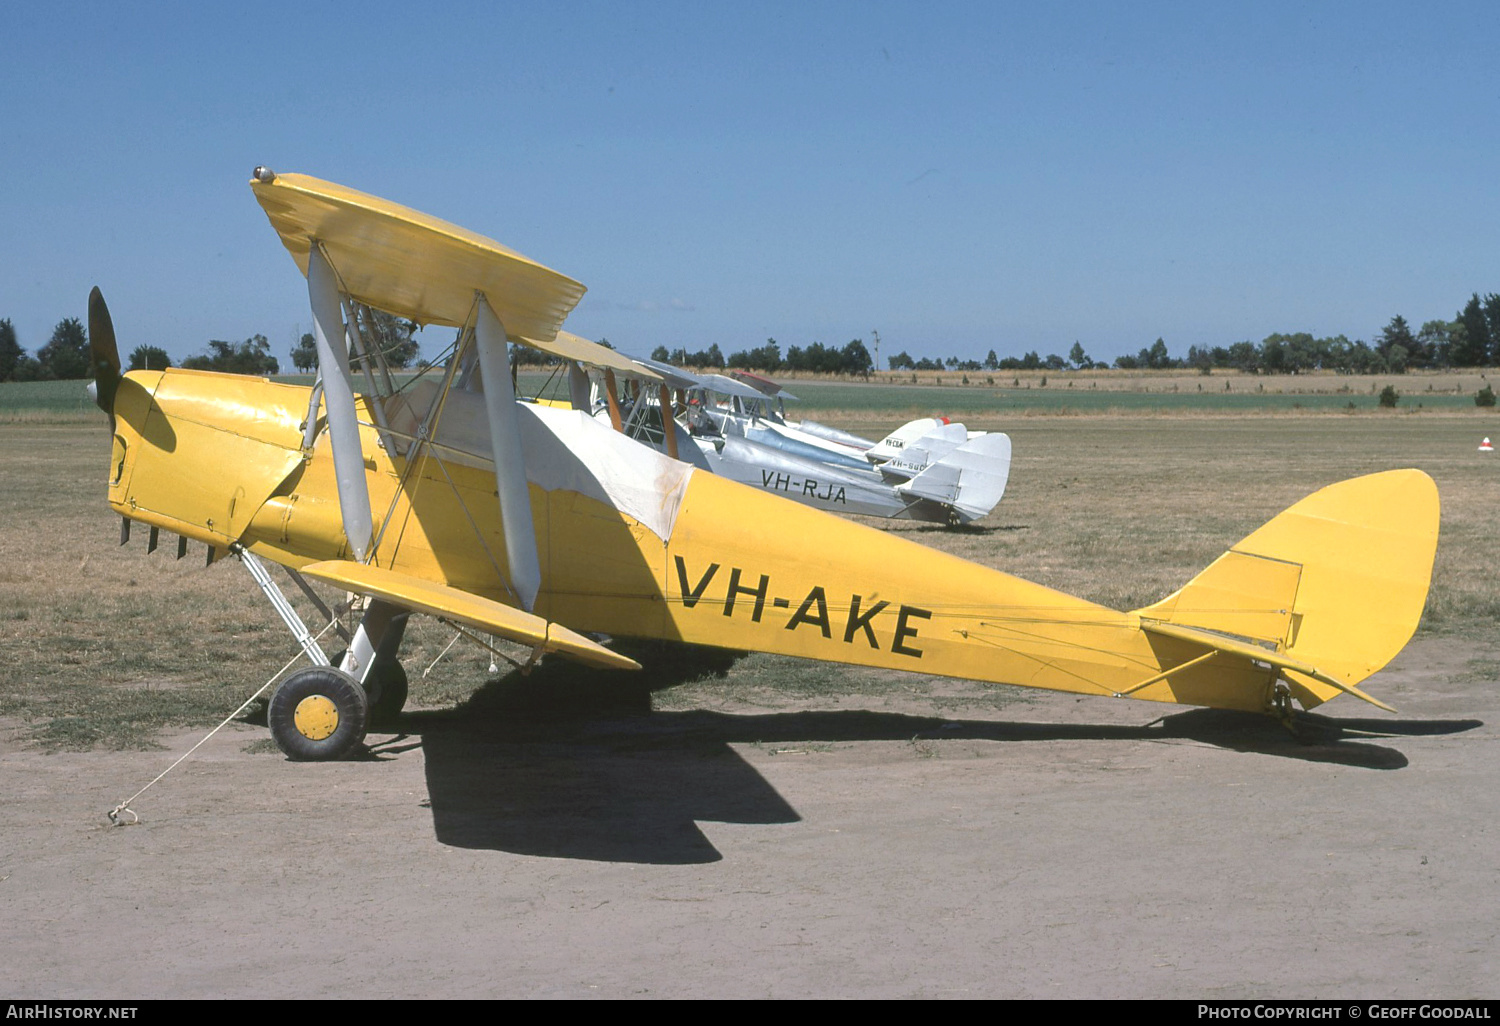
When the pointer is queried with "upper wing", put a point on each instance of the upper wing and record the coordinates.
(412, 264)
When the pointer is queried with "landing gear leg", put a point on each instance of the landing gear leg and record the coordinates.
(371, 659)
(1282, 707)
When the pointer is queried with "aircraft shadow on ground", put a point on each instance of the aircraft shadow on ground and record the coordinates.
(574, 764)
(969, 528)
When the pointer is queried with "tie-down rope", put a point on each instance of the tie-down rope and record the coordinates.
(124, 807)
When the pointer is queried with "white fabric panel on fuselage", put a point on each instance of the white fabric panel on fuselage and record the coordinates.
(564, 449)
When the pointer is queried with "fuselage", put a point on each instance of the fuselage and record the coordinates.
(631, 543)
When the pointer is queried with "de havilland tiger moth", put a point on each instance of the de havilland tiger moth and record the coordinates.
(544, 526)
(927, 470)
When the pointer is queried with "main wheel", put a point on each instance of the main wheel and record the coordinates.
(318, 714)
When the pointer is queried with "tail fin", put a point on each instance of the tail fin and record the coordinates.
(971, 478)
(1337, 582)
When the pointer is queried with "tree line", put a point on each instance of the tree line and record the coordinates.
(852, 358)
(65, 356)
(1471, 339)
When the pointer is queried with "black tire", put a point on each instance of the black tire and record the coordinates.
(387, 688)
(388, 696)
(318, 714)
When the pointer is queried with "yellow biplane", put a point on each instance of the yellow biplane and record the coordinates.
(538, 523)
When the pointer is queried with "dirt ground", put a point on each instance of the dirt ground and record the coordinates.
(1057, 848)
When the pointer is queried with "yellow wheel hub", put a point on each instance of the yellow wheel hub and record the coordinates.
(316, 717)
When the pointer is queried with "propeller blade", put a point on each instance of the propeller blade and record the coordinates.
(104, 356)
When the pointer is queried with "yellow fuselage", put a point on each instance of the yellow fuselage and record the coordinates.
(220, 458)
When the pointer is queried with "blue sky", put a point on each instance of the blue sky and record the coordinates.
(957, 176)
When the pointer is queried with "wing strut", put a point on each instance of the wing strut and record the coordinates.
(578, 387)
(338, 396)
(614, 403)
(668, 426)
(510, 459)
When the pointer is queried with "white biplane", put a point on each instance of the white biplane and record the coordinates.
(733, 429)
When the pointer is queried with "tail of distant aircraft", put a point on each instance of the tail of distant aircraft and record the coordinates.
(1328, 592)
(970, 478)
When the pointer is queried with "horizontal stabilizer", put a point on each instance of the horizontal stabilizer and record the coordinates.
(1246, 650)
(451, 603)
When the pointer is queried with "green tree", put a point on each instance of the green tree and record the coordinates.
(1245, 356)
(1492, 322)
(252, 356)
(856, 358)
(305, 354)
(149, 358)
(1078, 358)
(710, 357)
(27, 369)
(1389, 397)
(1157, 357)
(1435, 341)
(1288, 354)
(392, 335)
(660, 354)
(10, 350)
(1471, 347)
(1398, 333)
(66, 354)
(1363, 360)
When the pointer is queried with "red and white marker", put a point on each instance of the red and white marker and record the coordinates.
(1485, 446)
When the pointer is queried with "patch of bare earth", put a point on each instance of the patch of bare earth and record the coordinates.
(907, 843)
